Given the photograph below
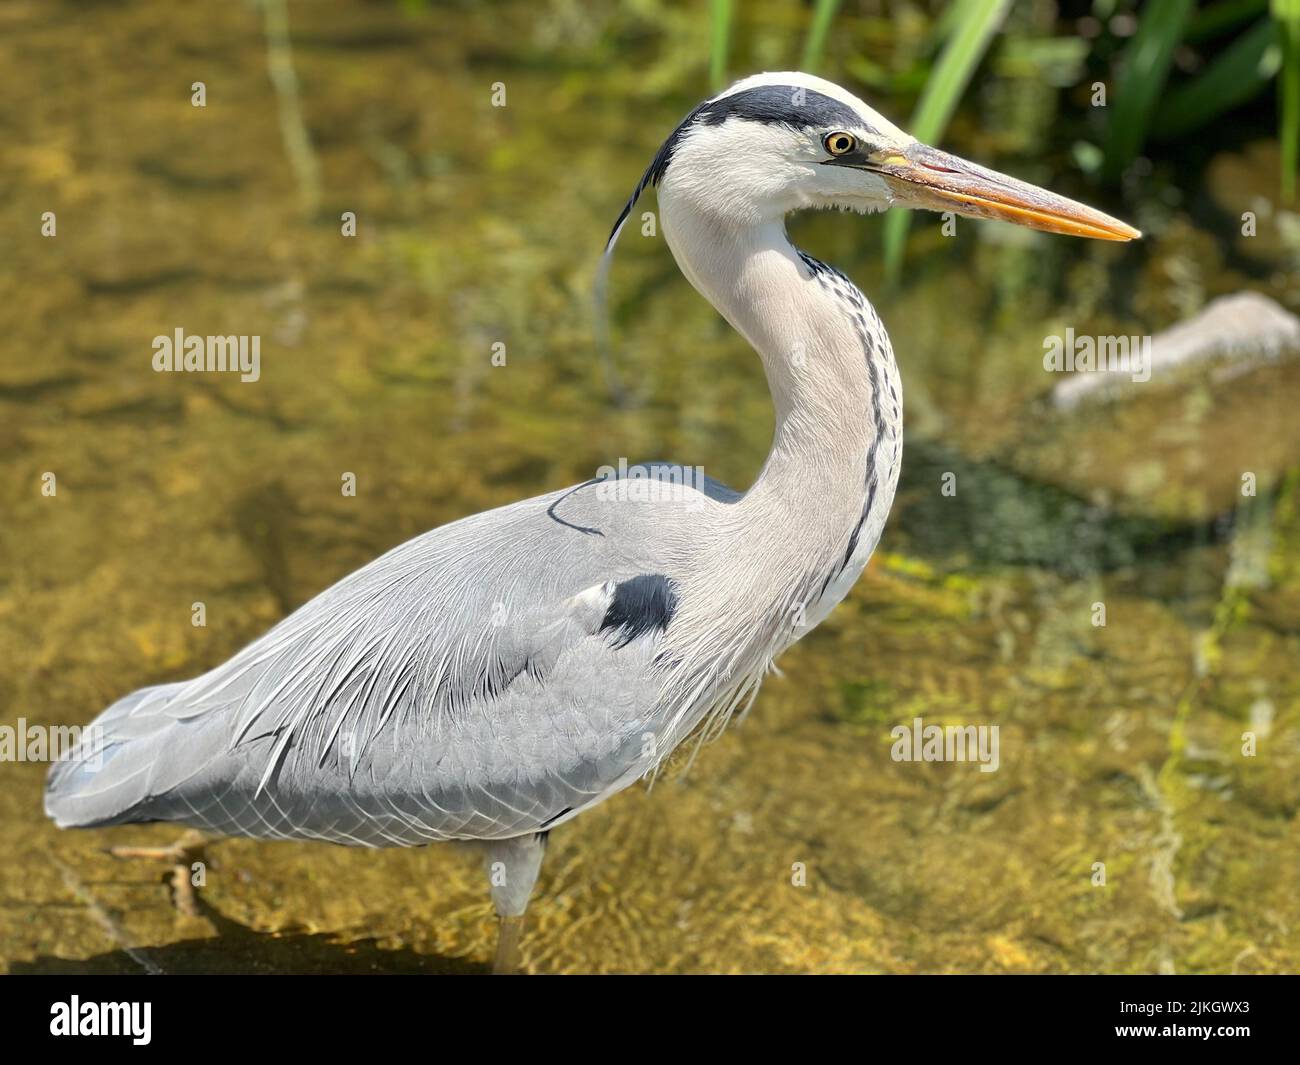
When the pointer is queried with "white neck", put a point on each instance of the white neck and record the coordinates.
(829, 479)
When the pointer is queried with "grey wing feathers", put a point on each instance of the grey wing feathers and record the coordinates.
(460, 686)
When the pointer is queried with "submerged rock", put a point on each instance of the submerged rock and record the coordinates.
(1217, 421)
(1229, 338)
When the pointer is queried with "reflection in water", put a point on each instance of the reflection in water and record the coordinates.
(1121, 744)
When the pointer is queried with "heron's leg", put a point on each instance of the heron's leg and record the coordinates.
(513, 865)
(180, 855)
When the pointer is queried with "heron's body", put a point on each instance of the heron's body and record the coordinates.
(459, 688)
(493, 678)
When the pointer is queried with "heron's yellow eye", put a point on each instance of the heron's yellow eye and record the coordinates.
(840, 143)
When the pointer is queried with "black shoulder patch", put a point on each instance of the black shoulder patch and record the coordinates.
(640, 605)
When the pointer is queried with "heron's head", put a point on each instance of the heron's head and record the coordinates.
(776, 143)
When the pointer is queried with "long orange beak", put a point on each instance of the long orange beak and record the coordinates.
(921, 176)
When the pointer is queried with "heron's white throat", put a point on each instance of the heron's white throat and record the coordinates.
(830, 475)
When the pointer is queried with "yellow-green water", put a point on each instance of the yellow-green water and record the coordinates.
(477, 225)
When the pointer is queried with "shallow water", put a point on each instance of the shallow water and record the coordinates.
(477, 225)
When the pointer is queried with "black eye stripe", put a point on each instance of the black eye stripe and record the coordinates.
(860, 156)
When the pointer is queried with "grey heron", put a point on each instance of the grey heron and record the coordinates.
(492, 679)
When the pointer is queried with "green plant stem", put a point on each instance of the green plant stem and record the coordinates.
(723, 12)
(1287, 12)
(1143, 70)
(814, 45)
(974, 24)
